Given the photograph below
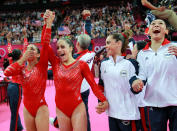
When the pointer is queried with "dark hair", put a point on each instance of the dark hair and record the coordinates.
(124, 37)
(141, 45)
(69, 42)
(5, 63)
(16, 53)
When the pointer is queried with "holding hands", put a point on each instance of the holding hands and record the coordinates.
(137, 85)
(49, 17)
(101, 107)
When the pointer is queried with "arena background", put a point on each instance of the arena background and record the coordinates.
(27, 13)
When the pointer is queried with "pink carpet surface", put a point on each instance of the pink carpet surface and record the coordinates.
(98, 122)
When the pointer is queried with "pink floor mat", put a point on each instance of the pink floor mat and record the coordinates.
(98, 122)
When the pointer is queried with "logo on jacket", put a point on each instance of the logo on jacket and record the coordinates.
(89, 61)
(126, 123)
(146, 58)
(167, 55)
(123, 73)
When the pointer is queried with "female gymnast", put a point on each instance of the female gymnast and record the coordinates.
(33, 79)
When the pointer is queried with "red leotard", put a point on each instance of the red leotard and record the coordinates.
(68, 81)
(16, 78)
(34, 81)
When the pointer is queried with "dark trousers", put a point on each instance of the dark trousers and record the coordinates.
(14, 93)
(50, 75)
(124, 125)
(84, 96)
(156, 118)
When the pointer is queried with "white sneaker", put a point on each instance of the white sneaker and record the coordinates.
(51, 120)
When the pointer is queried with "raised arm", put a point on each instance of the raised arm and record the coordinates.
(48, 20)
(45, 16)
(46, 39)
(150, 6)
(87, 27)
(25, 44)
(43, 31)
(25, 39)
(9, 46)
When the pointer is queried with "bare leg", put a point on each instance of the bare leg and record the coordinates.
(65, 121)
(42, 119)
(79, 118)
(29, 120)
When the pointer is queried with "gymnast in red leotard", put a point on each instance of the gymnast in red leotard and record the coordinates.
(33, 79)
(68, 75)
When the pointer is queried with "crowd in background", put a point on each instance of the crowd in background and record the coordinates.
(105, 20)
(15, 21)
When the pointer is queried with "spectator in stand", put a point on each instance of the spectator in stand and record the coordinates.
(105, 20)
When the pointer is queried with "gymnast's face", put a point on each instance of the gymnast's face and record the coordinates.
(35, 54)
(157, 29)
(64, 51)
(112, 46)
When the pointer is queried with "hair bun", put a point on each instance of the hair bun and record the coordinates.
(10, 55)
(16, 53)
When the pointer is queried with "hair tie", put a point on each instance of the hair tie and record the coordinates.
(124, 36)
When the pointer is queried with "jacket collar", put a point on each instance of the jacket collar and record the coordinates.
(165, 42)
(81, 53)
(118, 58)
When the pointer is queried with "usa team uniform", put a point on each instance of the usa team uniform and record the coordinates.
(123, 109)
(158, 70)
